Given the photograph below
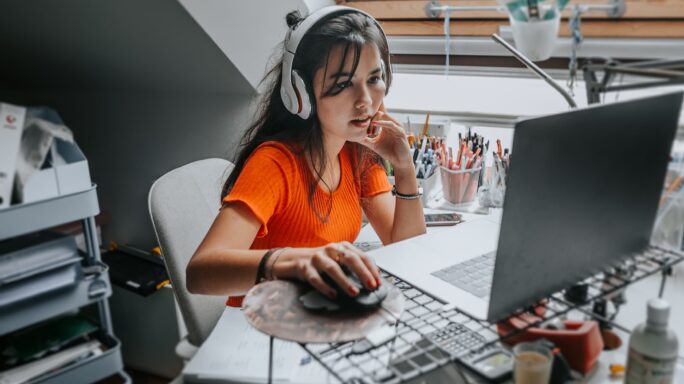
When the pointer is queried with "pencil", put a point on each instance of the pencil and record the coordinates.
(461, 149)
(425, 127)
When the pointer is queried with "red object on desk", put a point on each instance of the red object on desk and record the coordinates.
(580, 341)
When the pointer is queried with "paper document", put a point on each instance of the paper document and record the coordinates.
(235, 352)
(34, 369)
(43, 283)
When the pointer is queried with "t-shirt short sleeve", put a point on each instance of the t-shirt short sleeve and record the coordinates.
(264, 183)
(374, 181)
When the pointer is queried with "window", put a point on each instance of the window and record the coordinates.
(642, 19)
(649, 29)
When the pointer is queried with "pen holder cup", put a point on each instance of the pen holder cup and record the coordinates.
(460, 186)
(429, 185)
(536, 39)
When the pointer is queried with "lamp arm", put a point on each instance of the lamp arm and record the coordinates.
(538, 71)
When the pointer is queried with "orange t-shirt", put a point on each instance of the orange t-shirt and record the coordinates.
(274, 185)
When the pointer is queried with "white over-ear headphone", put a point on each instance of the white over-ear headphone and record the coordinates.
(293, 89)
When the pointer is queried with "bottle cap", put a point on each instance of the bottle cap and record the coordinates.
(658, 312)
(577, 294)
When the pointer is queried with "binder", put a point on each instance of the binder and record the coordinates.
(11, 126)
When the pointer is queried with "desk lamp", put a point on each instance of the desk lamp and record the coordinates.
(538, 71)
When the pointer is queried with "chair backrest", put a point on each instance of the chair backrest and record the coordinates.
(183, 204)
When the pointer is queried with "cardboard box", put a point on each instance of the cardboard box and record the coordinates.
(69, 174)
(11, 126)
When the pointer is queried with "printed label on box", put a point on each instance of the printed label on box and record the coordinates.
(11, 126)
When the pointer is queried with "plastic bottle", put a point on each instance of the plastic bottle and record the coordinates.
(653, 348)
(578, 295)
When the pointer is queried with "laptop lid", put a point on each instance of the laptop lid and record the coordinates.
(582, 194)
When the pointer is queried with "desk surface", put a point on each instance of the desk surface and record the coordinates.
(218, 343)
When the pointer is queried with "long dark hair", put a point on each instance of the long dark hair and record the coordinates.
(351, 31)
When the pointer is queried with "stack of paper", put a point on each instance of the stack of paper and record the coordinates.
(235, 352)
(40, 367)
(37, 263)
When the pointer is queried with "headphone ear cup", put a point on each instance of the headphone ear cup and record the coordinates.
(311, 98)
(304, 95)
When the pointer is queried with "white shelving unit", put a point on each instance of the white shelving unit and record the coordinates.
(92, 288)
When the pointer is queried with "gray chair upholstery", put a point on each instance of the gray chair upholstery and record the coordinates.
(183, 204)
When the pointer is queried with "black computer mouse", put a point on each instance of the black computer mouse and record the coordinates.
(365, 300)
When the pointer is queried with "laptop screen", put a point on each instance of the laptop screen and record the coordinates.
(582, 194)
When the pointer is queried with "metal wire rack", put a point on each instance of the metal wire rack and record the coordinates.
(430, 334)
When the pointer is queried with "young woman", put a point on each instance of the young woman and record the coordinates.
(309, 165)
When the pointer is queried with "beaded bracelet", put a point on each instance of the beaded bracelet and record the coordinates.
(407, 197)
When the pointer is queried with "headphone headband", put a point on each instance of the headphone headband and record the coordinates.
(292, 89)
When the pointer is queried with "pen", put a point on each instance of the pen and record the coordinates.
(533, 9)
(421, 152)
(421, 171)
(428, 171)
(425, 127)
(475, 157)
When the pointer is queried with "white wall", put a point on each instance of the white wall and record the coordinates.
(246, 31)
(492, 95)
(495, 95)
(316, 4)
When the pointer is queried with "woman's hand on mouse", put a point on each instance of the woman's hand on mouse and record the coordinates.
(388, 138)
(308, 264)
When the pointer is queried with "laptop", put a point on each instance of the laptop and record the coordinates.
(582, 194)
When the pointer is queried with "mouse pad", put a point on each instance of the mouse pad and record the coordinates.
(274, 308)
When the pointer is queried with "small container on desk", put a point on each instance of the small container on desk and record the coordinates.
(429, 185)
(460, 186)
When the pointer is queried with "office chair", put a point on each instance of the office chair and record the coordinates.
(183, 204)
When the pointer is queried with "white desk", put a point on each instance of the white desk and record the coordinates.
(223, 342)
